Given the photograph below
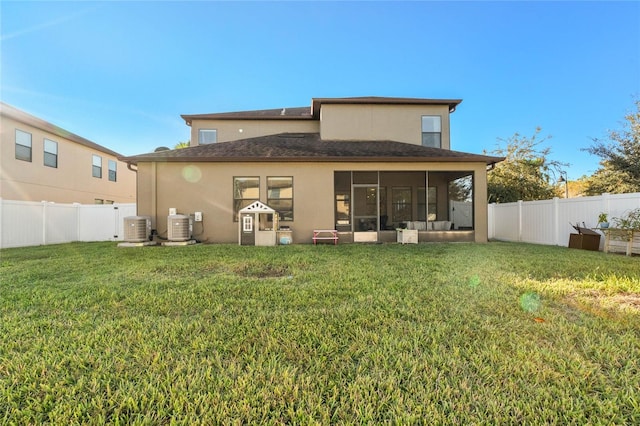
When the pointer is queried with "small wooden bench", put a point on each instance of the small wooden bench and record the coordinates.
(325, 234)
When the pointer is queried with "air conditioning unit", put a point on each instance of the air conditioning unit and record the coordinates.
(137, 229)
(178, 227)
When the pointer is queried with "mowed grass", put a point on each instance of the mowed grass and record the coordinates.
(495, 333)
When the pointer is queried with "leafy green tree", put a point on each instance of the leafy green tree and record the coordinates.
(527, 171)
(619, 170)
(183, 144)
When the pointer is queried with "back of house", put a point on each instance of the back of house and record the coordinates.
(362, 167)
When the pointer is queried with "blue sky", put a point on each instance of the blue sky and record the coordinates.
(121, 73)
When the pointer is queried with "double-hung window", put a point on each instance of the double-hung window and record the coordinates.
(113, 167)
(207, 136)
(280, 196)
(246, 190)
(432, 131)
(50, 153)
(401, 204)
(23, 145)
(97, 166)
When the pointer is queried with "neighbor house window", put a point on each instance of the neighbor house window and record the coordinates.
(113, 166)
(206, 136)
(97, 166)
(280, 196)
(246, 190)
(401, 204)
(431, 131)
(50, 153)
(23, 145)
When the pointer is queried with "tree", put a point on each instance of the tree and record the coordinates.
(183, 144)
(526, 172)
(619, 170)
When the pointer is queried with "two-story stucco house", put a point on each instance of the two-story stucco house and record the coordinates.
(43, 162)
(362, 166)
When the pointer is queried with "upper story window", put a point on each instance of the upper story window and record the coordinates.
(432, 131)
(50, 153)
(280, 196)
(97, 166)
(113, 167)
(246, 190)
(206, 136)
(23, 145)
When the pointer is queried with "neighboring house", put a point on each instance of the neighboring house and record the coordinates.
(42, 162)
(361, 166)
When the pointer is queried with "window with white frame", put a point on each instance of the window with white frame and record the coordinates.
(206, 136)
(97, 166)
(432, 131)
(50, 153)
(23, 145)
(113, 167)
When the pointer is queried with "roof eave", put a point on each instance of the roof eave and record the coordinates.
(136, 160)
(317, 102)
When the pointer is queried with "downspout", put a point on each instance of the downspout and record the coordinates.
(130, 167)
(154, 196)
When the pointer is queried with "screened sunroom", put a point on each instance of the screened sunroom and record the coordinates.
(371, 205)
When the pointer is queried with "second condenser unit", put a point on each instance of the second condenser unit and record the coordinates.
(178, 227)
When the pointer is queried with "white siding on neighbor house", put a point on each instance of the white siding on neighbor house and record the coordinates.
(549, 221)
(30, 223)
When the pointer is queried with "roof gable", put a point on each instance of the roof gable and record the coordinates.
(257, 206)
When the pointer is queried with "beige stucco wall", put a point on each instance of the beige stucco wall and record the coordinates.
(402, 123)
(208, 188)
(70, 182)
(229, 130)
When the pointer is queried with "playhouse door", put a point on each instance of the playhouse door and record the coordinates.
(247, 230)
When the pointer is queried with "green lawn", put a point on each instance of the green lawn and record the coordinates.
(433, 333)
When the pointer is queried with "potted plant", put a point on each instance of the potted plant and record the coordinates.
(603, 220)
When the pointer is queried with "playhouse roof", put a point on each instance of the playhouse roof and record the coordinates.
(257, 206)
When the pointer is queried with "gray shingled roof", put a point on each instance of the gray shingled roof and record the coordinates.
(309, 147)
(313, 112)
(298, 113)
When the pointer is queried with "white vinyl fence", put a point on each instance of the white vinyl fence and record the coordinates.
(27, 223)
(549, 221)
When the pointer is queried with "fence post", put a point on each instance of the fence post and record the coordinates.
(606, 199)
(555, 220)
(520, 220)
(44, 222)
(78, 206)
(1, 211)
(490, 214)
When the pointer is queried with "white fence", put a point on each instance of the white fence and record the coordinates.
(549, 221)
(27, 223)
